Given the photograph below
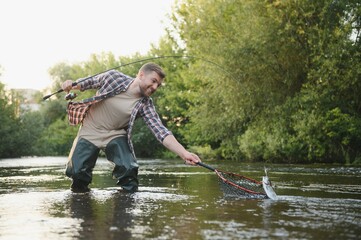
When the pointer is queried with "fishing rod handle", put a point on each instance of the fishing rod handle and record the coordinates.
(72, 85)
(59, 91)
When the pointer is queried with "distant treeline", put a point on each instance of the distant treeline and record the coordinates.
(286, 87)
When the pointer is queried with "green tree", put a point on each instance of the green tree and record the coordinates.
(32, 127)
(320, 124)
(240, 36)
(57, 139)
(280, 54)
(52, 110)
(9, 128)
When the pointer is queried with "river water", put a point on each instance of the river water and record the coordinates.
(176, 201)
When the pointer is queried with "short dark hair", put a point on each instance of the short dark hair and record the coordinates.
(153, 67)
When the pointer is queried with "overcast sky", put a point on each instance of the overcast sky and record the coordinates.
(37, 34)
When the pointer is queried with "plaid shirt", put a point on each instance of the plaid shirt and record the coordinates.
(110, 84)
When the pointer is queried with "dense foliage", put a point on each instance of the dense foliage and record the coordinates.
(293, 94)
(274, 81)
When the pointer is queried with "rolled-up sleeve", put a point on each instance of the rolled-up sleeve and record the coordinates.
(88, 83)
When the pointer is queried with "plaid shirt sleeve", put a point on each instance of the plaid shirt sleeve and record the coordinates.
(153, 121)
(105, 82)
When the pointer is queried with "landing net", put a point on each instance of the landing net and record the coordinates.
(240, 186)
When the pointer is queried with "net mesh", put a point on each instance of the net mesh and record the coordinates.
(235, 185)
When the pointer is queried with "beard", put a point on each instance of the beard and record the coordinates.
(146, 91)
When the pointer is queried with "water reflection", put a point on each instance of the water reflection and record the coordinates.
(99, 219)
(113, 214)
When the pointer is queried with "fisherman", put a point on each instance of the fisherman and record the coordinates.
(107, 120)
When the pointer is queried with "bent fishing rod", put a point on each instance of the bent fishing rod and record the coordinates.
(138, 61)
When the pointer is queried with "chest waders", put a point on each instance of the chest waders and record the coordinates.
(83, 158)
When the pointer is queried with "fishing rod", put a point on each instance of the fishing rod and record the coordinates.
(134, 62)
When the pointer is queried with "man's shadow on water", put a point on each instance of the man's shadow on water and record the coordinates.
(102, 217)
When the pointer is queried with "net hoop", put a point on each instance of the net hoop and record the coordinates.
(226, 181)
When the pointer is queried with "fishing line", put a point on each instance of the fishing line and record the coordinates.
(139, 61)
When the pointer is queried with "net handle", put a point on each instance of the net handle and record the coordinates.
(206, 166)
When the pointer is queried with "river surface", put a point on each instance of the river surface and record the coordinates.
(176, 201)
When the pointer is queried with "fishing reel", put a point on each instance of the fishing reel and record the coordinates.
(70, 96)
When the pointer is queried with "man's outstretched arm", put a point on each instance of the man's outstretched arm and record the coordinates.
(171, 143)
